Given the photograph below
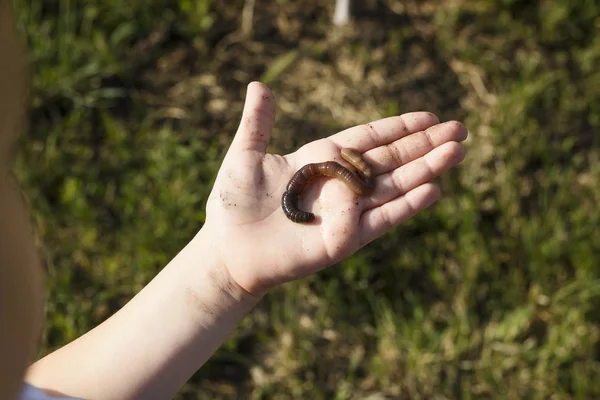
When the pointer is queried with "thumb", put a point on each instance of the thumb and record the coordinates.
(257, 119)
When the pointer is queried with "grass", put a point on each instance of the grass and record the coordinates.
(492, 293)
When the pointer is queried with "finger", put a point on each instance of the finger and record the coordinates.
(384, 131)
(402, 151)
(407, 177)
(377, 221)
(257, 119)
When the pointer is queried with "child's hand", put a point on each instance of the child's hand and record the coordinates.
(245, 223)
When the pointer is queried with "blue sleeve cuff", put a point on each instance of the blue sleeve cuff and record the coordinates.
(30, 392)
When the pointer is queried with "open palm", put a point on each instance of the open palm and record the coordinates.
(262, 248)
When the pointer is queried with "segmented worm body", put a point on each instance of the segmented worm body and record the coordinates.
(360, 182)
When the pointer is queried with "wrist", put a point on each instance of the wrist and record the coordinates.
(213, 275)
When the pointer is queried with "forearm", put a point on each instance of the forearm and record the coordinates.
(154, 344)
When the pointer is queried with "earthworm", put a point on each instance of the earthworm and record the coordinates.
(361, 183)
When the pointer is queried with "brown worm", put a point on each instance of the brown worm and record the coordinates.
(361, 183)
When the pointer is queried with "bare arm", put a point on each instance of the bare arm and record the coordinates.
(154, 344)
(151, 347)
